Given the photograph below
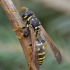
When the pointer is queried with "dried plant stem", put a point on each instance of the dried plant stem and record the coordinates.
(16, 21)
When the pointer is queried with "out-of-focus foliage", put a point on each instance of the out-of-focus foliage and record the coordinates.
(56, 24)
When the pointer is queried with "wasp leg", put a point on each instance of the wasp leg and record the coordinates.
(30, 57)
(19, 28)
(20, 37)
(45, 46)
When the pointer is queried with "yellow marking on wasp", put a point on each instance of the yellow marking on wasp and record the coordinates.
(38, 26)
(29, 18)
(25, 17)
(41, 61)
(19, 27)
(42, 58)
(27, 25)
(41, 53)
(37, 30)
(38, 49)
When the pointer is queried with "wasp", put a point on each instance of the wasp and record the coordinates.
(36, 31)
(32, 21)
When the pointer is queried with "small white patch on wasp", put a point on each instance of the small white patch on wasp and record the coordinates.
(32, 19)
(35, 27)
(38, 49)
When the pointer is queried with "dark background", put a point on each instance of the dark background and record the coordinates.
(56, 22)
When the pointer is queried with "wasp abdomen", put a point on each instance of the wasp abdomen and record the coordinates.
(41, 52)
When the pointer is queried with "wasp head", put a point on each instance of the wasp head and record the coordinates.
(27, 14)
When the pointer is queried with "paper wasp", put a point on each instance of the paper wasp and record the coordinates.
(36, 31)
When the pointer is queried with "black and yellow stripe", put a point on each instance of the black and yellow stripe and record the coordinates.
(41, 52)
(41, 57)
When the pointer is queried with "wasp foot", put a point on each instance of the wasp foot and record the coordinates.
(20, 37)
(19, 27)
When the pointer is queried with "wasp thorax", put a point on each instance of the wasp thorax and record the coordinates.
(34, 21)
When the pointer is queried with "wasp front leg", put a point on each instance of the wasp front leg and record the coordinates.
(19, 29)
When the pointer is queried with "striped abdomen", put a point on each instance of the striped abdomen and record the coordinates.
(41, 53)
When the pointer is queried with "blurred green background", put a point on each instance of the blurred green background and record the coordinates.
(56, 22)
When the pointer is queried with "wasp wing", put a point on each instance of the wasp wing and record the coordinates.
(54, 48)
(34, 48)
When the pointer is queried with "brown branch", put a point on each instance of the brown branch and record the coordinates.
(16, 21)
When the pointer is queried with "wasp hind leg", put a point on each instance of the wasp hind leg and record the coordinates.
(30, 56)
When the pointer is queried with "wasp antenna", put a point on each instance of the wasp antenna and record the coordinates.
(24, 8)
